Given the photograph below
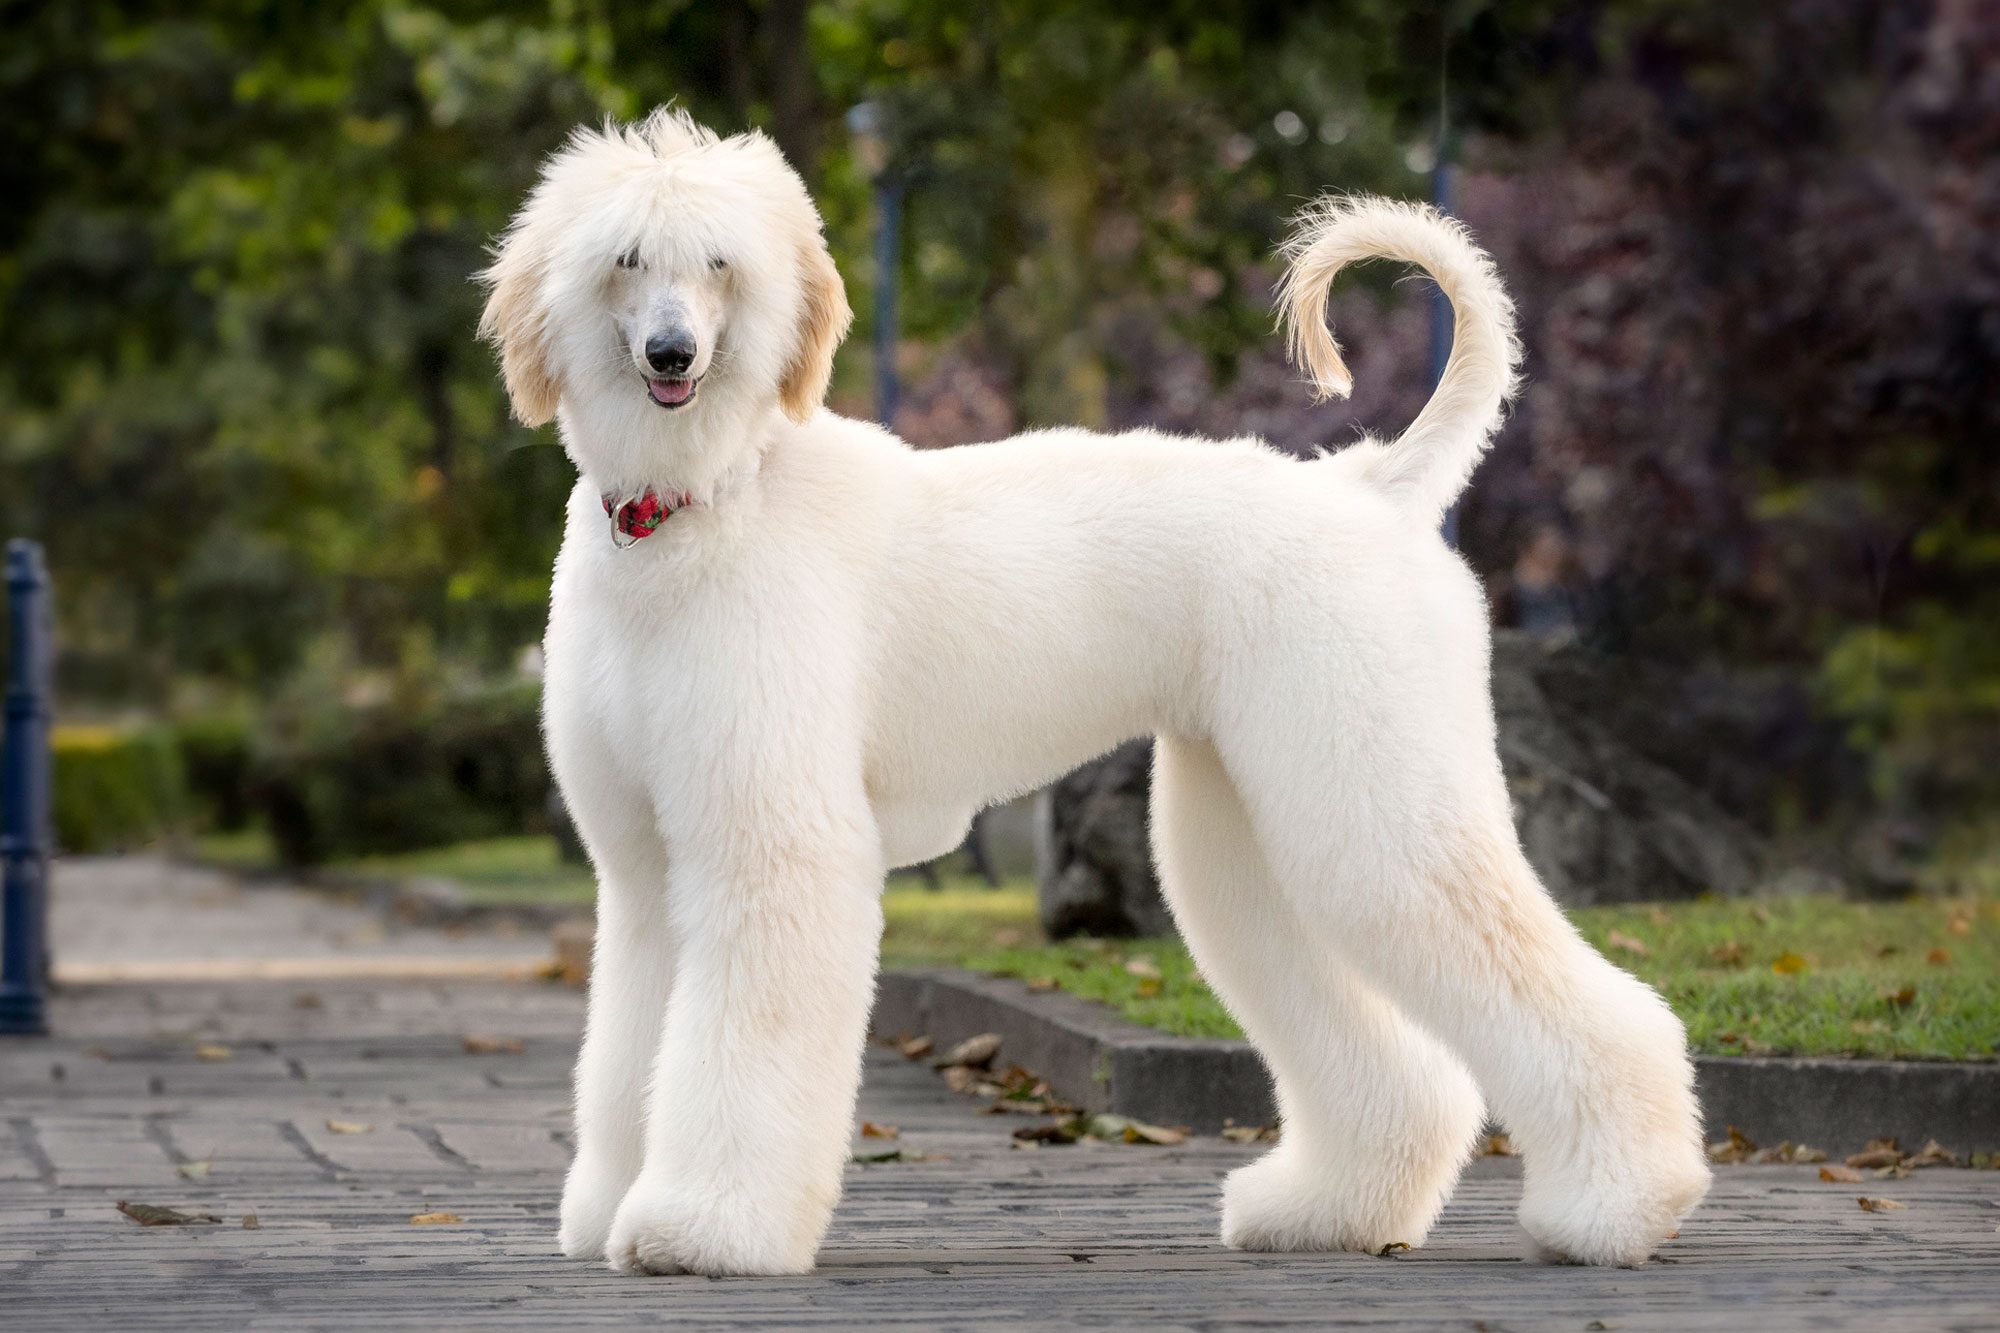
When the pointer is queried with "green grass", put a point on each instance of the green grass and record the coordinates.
(494, 871)
(1850, 978)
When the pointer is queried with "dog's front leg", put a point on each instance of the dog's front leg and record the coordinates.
(750, 1121)
(630, 969)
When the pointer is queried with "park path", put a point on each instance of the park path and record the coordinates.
(151, 919)
(216, 1098)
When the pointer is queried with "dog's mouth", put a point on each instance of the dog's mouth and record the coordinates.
(671, 392)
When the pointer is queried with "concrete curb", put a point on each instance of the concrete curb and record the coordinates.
(1099, 1061)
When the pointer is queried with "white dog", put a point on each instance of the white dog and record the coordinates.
(787, 652)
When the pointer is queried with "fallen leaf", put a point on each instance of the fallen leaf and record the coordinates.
(1788, 964)
(1878, 1152)
(1840, 1175)
(1143, 967)
(149, 1215)
(195, 1170)
(872, 1158)
(1631, 944)
(1042, 983)
(1896, 1172)
(1249, 1133)
(434, 1219)
(974, 1052)
(1058, 1132)
(871, 1130)
(1727, 954)
(1499, 1145)
(209, 1050)
(1736, 1148)
(250, 1222)
(916, 1048)
(476, 1044)
(349, 1127)
(962, 1078)
(1869, 1205)
(1902, 998)
(1149, 987)
(1391, 1248)
(1808, 1155)
(1120, 1128)
(307, 1000)
(1932, 1153)
(1938, 958)
(1959, 925)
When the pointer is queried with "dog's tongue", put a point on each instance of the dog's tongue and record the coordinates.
(670, 391)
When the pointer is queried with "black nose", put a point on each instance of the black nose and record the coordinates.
(670, 353)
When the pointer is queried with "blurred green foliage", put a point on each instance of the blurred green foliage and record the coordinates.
(116, 788)
(336, 781)
(241, 401)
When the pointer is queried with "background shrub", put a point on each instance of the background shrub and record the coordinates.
(116, 788)
(215, 758)
(350, 781)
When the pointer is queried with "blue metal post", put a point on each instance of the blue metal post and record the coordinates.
(888, 278)
(24, 796)
(1441, 319)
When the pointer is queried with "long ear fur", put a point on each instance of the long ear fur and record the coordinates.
(824, 318)
(514, 322)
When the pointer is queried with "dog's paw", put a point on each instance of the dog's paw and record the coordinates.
(1617, 1218)
(677, 1230)
(1281, 1203)
(591, 1195)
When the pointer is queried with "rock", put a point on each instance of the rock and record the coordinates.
(1093, 863)
(1601, 823)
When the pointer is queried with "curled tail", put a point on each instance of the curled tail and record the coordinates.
(1429, 464)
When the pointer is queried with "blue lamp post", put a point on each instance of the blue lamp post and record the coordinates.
(869, 123)
(24, 797)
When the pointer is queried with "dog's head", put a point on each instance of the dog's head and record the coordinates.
(660, 287)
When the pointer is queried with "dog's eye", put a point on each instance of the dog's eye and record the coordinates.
(718, 263)
(630, 259)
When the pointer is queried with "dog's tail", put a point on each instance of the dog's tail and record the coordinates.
(1429, 464)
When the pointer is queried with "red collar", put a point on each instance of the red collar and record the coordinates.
(642, 515)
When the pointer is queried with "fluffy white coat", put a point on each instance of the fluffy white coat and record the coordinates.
(844, 647)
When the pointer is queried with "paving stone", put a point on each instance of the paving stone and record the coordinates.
(974, 1232)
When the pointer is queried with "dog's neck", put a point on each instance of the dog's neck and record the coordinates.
(706, 452)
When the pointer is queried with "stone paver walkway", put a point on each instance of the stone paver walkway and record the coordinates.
(146, 918)
(216, 1098)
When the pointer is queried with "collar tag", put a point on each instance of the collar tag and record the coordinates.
(637, 516)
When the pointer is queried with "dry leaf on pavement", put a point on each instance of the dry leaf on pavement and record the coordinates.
(915, 1048)
(476, 1044)
(149, 1215)
(439, 1219)
(1879, 1152)
(1840, 1175)
(1736, 1148)
(1869, 1205)
(209, 1050)
(871, 1130)
(974, 1052)
(195, 1170)
(349, 1127)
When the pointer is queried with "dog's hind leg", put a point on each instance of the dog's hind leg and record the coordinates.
(1437, 907)
(1378, 1118)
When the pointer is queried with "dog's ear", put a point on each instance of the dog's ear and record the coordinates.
(824, 317)
(516, 321)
